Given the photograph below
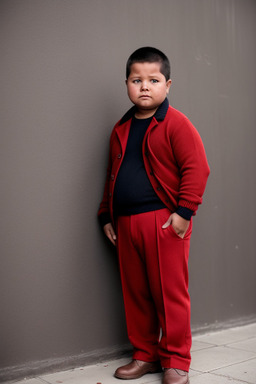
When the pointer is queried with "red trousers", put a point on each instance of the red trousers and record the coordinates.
(154, 274)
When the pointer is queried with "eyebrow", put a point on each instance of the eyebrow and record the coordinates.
(151, 75)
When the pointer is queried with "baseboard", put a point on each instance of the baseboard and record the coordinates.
(219, 326)
(38, 368)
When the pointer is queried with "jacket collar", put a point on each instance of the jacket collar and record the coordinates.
(159, 114)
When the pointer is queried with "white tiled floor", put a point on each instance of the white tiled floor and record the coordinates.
(225, 357)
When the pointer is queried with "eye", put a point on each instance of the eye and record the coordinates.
(136, 81)
(154, 81)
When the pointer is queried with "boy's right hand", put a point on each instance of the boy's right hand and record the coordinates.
(110, 233)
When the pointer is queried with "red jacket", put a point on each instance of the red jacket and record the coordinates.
(174, 158)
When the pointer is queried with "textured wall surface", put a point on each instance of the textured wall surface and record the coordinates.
(62, 79)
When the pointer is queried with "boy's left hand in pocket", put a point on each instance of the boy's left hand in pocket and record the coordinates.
(179, 224)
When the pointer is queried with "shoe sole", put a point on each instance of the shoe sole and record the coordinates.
(188, 382)
(123, 377)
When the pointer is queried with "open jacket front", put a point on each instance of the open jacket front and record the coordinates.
(174, 159)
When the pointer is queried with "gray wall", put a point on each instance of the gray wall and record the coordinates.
(62, 90)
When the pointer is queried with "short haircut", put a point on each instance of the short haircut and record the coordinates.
(149, 55)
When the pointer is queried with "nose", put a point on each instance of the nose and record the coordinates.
(144, 86)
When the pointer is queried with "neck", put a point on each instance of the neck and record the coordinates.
(144, 113)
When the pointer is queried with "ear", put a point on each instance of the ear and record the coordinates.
(168, 85)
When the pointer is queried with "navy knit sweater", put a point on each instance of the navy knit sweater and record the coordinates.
(133, 192)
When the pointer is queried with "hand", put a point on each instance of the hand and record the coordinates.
(110, 233)
(179, 224)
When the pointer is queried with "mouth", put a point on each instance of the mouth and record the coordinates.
(145, 97)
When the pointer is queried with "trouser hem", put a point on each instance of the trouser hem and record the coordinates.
(138, 355)
(176, 362)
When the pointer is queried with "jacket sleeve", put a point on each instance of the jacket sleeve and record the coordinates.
(103, 212)
(104, 215)
(192, 162)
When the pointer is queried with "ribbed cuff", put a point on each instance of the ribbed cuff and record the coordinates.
(104, 218)
(184, 212)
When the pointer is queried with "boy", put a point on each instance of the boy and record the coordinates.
(156, 177)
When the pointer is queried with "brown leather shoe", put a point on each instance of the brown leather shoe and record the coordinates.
(136, 369)
(175, 376)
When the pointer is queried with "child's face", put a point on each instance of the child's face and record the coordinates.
(147, 88)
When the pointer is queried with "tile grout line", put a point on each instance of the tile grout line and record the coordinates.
(205, 348)
(241, 341)
(240, 349)
(42, 380)
(233, 364)
(245, 338)
(232, 378)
